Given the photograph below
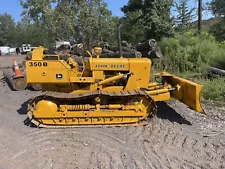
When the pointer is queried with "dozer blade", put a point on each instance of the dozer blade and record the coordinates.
(186, 91)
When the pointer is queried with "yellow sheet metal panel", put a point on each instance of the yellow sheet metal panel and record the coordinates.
(37, 54)
(140, 69)
(98, 75)
(47, 72)
(82, 80)
(116, 64)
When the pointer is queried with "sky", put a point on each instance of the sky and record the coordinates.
(13, 7)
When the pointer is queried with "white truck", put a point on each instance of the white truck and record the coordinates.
(26, 48)
(4, 50)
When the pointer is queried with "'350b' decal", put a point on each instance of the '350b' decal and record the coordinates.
(38, 64)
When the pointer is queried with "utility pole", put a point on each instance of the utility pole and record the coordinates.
(199, 16)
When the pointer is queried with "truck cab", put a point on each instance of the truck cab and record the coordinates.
(26, 48)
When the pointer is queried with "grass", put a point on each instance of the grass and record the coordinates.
(188, 56)
(214, 89)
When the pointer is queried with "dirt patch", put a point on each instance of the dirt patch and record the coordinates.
(177, 138)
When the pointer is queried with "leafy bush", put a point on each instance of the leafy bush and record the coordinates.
(214, 89)
(189, 52)
(218, 29)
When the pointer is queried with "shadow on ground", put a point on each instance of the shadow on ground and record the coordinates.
(165, 112)
(23, 109)
(27, 122)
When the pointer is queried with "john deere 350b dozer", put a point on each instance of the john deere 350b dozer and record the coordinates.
(108, 91)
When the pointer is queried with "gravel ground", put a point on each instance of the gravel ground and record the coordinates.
(177, 138)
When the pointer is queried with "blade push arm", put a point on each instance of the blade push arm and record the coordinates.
(184, 90)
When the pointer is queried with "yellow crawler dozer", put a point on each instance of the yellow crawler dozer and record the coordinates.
(107, 91)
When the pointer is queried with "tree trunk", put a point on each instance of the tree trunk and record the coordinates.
(199, 16)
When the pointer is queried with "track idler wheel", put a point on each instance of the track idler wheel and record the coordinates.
(45, 108)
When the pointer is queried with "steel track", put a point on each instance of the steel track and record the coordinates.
(68, 96)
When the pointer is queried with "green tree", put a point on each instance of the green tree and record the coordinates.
(94, 22)
(32, 34)
(87, 21)
(132, 23)
(218, 9)
(218, 30)
(184, 15)
(7, 30)
(152, 15)
(40, 13)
